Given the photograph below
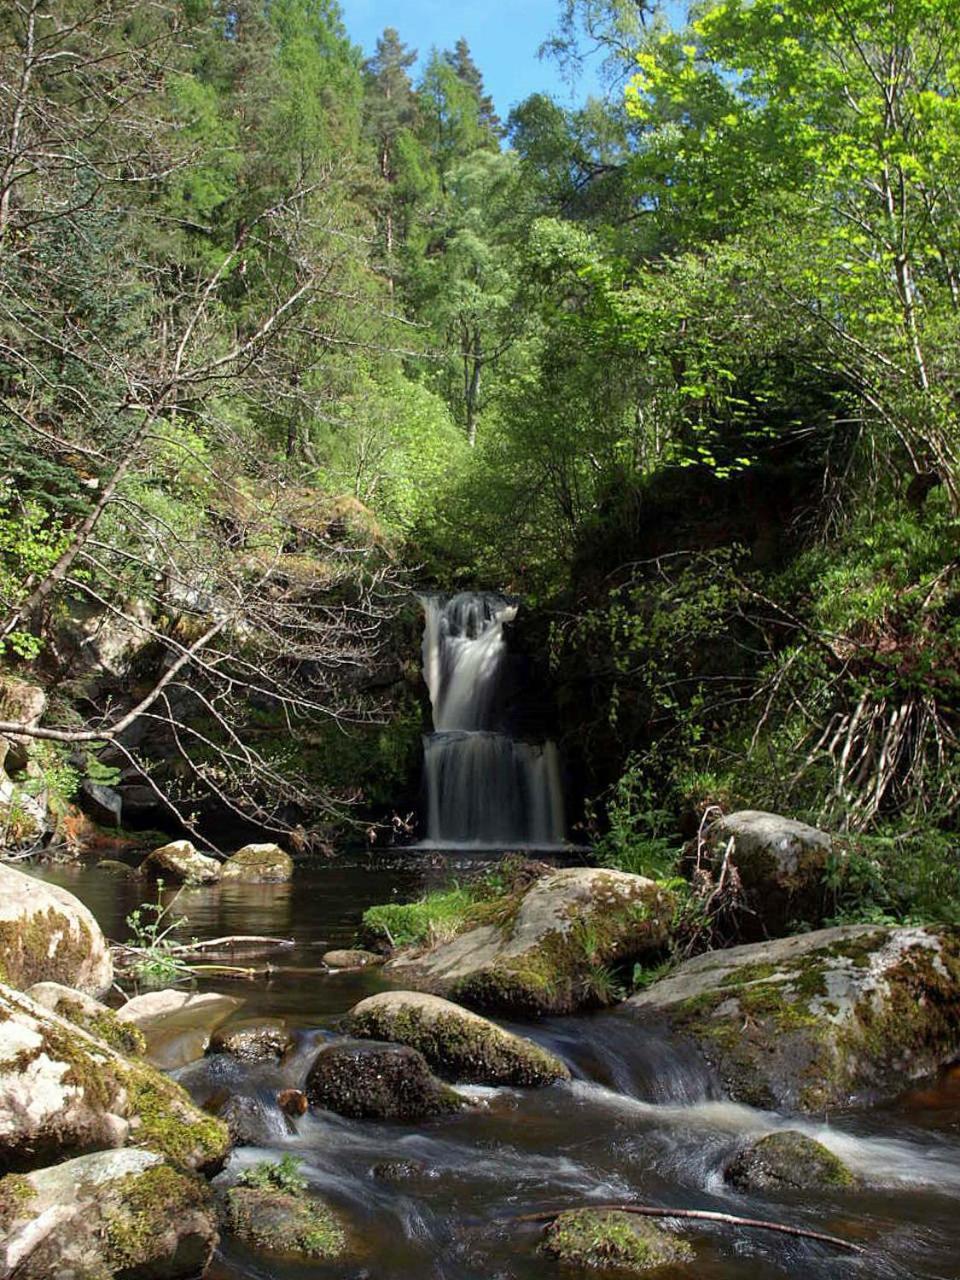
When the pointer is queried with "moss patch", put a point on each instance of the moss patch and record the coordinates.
(15, 1194)
(170, 1124)
(788, 1161)
(138, 1228)
(44, 946)
(613, 1241)
(284, 1223)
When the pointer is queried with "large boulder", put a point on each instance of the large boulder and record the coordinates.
(820, 1020)
(458, 1044)
(552, 952)
(781, 865)
(788, 1161)
(48, 935)
(110, 1213)
(177, 1025)
(65, 1092)
(259, 864)
(179, 861)
(367, 1080)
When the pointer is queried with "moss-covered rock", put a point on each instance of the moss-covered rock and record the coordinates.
(48, 935)
(458, 1044)
(258, 864)
(254, 1040)
(180, 862)
(281, 1222)
(110, 1213)
(63, 1091)
(549, 949)
(820, 1020)
(788, 1161)
(82, 1010)
(368, 1080)
(608, 1240)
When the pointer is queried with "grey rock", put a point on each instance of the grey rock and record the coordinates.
(366, 1080)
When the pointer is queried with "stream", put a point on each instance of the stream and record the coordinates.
(640, 1121)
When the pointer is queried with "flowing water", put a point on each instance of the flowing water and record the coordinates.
(640, 1121)
(486, 787)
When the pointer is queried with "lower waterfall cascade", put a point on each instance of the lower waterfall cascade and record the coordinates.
(485, 788)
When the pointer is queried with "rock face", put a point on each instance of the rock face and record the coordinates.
(594, 1239)
(180, 862)
(821, 1020)
(366, 1080)
(551, 953)
(106, 1214)
(103, 804)
(787, 1161)
(23, 703)
(781, 864)
(83, 1011)
(259, 864)
(66, 1092)
(283, 1223)
(177, 1025)
(355, 958)
(47, 935)
(458, 1044)
(253, 1041)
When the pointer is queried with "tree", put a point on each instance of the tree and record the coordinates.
(390, 113)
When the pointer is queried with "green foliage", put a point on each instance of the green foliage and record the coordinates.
(280, 1175)
(909, 878)
(157, 962)
(434, 918)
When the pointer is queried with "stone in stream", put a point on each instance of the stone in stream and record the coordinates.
(179, 861)
(355, 958)
(551, 947)
(283, 1222)
(258, 864)
(781, 865)
(292, 1102)
(821, 1020)
(110, 1213)
(250, 1122)
(788, 1161)
(47, 935)
(366, 1080)
(254, 1040)
(113, 867)
(177, 1025)
(458, 1044)
(64, 1092)
(602, 1240)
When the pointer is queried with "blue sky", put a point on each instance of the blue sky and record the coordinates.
(503, 35)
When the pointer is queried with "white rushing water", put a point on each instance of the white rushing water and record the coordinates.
(485, 788)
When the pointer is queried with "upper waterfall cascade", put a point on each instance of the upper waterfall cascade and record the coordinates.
(485, 788)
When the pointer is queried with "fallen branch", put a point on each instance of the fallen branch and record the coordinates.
(704, 1215)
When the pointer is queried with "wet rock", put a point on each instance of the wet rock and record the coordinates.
(259, 864)
(551, 949)
(281, 1222)
(787, 1161)
(821, 1020)
(257, 1040)
(398, 1170)
(122, 870)
(65, 1092)
(457, 1044)
(781, 864)
(292, 1102)
(110, 1213)
(103, 804)
(249, 1122)
(367, 1080)
(601, 1240)
(47, 935)
(352, 959)
(180, 862)
(83, 1011)
(177, 1025)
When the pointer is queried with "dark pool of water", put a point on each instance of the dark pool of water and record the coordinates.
(640, 1121)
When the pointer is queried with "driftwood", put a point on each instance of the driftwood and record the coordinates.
(703, 1215)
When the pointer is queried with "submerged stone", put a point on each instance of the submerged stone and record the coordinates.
(609, 1240)
(457, 1044)
(367, 1080)
(787, 1161)
(177, 1025)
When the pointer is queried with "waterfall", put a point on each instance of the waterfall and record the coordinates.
(484, 787)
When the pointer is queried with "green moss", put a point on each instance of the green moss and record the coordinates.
(45, 946)
(137, 1230)
(437, 917)
(16, 1192)
(283, 1223)
(105, 1025)
(599, 1240)
(788, 1161)
(169, 1122)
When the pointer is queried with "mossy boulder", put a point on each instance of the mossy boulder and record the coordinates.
(608, 1240)
(65, 1092)
(458, 1044)
(177, 1025)
(84, 1011)
(110, 1213)
(781, 865)
(788, 1161)
(550, 948)
(258, 864)
(825, 1019)
(367, 1080)
(180, 862)
(48, 935)
(283, 1222)
(353, 958)
(253, 1040)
